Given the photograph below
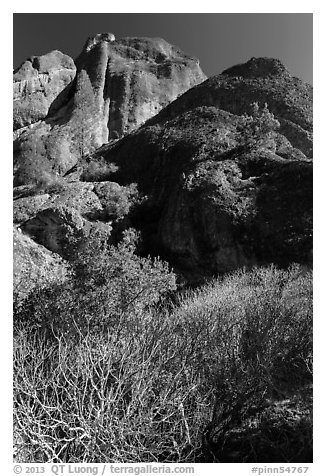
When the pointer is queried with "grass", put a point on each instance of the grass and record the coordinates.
(222, 375)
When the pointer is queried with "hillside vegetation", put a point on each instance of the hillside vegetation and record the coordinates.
(222, 373)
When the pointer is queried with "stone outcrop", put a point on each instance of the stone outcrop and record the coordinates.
(134, 78)
(34, 265)
(56, 228)
(40, 83)
(59, 222)
(25, 208)
(79, 196)
(130, 80)
(99, 38)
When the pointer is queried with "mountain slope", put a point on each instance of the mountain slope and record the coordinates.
(259, 80)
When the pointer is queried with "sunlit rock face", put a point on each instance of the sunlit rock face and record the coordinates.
(129, 80)
(34, 265)
(59, 221)
(134, 78)
(39, 83)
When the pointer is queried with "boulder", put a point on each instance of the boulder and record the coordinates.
(25, 208)
(34, 265)
(77, 195)
(62, 220)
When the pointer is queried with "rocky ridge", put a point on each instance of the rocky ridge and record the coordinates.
(262, 80)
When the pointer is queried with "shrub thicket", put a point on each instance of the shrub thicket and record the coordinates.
(106, 283)
(215, 377)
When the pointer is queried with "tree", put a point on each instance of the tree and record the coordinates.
(84, 113)
(116, 199)
(34, 166)
(98, 170)
(58, 149)
(256, 128)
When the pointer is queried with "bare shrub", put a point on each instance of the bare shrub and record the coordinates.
(114, 399)
(225, 366)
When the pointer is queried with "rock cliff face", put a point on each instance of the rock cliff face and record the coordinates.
(39, 83)
(134, 78)
(218, 187)
(130, 80)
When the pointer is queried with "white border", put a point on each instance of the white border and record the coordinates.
(167, 6)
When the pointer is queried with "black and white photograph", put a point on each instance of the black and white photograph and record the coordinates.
(163, 239)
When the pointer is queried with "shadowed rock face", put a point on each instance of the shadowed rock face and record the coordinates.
(131, 80)
(214, 205)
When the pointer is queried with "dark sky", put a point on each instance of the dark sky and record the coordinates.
(218, 40)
